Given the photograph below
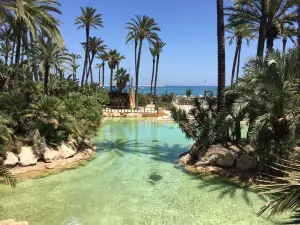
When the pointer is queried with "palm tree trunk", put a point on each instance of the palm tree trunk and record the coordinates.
(12, 53)
(86, 54)
(118, 67)
(153, 67)
(18, 50)
(99, 77)
(103, 66)
(234, 63)
(111, 77)
(298, 23)
(34, 64)
(238, 130)
(46, 79)
(221, 55)
(90, 70)
(135, 52)
(262, 29)
(284, 41)
(137, 73)
(156, 74)
(239, 61)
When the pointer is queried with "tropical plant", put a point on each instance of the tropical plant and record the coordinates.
(188, 92)
(122, 78)
(153, 53)
(50, 55)
(268, 97)
(88, 19)
(158, 50)
(103, 57)
(7, 175)
(283, 190)
(74, 65)
(112, 58)
(238, 33)
(140, 28)
(221, 55)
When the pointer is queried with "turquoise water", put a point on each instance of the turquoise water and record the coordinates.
(133, 180)
(179, 90)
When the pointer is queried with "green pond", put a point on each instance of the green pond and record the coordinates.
(135, 179)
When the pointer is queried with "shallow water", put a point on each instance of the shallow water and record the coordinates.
(133, 180)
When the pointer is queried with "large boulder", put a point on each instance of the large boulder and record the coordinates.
(12, 222)
(245, 162)
(65, 151)
(11, 160)
(50, 155)
(217, 155)
(27, 156)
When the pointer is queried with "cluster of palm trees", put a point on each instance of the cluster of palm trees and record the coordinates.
(265, 20)
(139, 29)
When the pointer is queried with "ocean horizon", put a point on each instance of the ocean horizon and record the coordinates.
(177, 90)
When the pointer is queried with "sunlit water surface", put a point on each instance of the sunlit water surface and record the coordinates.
(133, 180)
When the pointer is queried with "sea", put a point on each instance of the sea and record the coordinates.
(179, 90)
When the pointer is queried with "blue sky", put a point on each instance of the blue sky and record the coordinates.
(188, 27)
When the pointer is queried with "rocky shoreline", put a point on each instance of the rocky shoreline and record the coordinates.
(225, 160)
(31, 163)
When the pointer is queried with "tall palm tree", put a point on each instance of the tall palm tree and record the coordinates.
(96, 46)
(158, 49)
(99, 66)
(153, 53)
(133, 36)
(238, 33)
(112, 58)
(103, 57)
(221, 55)
(262, 28)
(50, 55)
(287, 32)
(141, 27)
(89, 19)
(74, 64)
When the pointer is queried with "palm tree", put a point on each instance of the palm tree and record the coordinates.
(238, 33)
(153, 53)
(33, 17)
(103, 57)
(251, 14)
(133, 36)
(49, 54)
(122, 78)
(96, 46)
(119, 59)
(74, 65)
(221, 55)
(89, 19)
(112, 58)
(158, 49)
(142, 27)
(99, 66)
(287, 32)
(262, 28)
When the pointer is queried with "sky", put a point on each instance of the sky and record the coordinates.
(189, 28)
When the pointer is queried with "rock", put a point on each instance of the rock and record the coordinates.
(115, 114)
(245, 162)
(185, 159)
(234, 148)
(89, 151)
(11, 160)
(50, 155)
(216, 155)
(12, 222)
(249, 149)
(213, 170)
(94, 148)
(226, 159)
(65, 151)
(27, 156)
